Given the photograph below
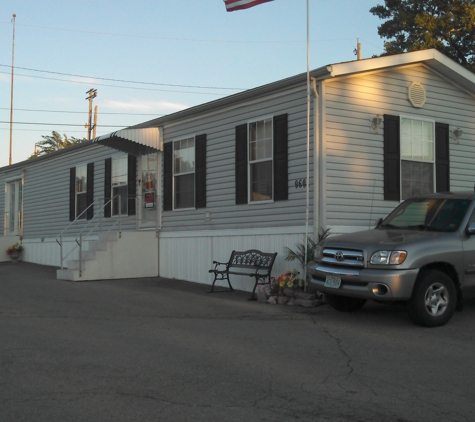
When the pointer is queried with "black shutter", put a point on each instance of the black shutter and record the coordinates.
(131, 183)
(442, 161)
(168, 176)
(200, 171)
(72, 193)
(392, 168)
(281, 171)
(90, 191)
(241, 164)
(107, 186)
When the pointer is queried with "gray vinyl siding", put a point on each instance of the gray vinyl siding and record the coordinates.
(354, 166)
(46, 191)
(219, 128)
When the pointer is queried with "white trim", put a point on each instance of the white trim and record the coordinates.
(265, 160)
(359, 66)
(323, 157)
(179, 139)
(234, 232)
(434, 150)
(13, 179)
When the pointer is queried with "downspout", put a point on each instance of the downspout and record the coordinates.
(23, 175)
(159, 192)
(316, 161)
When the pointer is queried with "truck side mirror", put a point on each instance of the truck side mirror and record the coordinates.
(471, 229)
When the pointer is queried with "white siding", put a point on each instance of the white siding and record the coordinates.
(354, 153)
(220, 130)
(46, 192)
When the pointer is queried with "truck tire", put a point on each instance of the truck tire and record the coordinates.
(433, 300)
(345, 303)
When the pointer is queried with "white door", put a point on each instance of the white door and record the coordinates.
(13, 208)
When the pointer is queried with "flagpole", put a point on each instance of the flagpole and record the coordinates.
(308, 146)
(11, 93)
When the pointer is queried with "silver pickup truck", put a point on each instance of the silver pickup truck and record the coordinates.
(423, 253)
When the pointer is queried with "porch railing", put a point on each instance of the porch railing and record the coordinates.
(94, 226)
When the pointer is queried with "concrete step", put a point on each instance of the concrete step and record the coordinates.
(73, 264)
(109, 236)
(67, 274)
(88, 255)
(98, 245)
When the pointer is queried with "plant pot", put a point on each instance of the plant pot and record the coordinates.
(15, 256)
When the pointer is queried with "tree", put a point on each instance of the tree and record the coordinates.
(446, 25)
(54, 142)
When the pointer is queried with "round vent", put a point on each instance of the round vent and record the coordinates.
(416, 94)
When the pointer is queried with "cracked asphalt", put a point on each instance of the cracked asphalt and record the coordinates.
(165, 350)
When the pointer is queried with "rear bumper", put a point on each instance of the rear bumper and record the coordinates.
(390, 285)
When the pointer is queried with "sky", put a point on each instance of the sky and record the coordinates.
(150, 58)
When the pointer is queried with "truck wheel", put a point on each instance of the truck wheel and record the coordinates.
(433, 300)
(345, 303)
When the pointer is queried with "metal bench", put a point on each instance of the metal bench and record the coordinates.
(251, 263)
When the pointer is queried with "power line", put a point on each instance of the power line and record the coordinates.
(40, 130)
(203, 40)
(116, 86)
(54, 124)
(82, 112)
(112, 34)
(123, 80)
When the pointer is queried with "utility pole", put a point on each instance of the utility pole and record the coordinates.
(95, 123)
(11, 92)
(92, 94)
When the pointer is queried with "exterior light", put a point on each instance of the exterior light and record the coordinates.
(375, 122)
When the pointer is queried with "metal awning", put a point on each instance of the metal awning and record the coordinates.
(133, 141)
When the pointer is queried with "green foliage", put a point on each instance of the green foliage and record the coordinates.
(54, 142)
(299, 253)
(411, 25)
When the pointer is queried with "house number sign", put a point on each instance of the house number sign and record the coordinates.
(300, 183)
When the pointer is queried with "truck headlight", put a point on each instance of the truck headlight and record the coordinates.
(388, 257)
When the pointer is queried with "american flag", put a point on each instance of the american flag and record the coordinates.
(232, 5)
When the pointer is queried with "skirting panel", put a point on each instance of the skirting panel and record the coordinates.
(189, 256)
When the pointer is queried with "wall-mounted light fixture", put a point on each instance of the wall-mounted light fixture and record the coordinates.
(456, 135)
(207, 215)
(375, 122)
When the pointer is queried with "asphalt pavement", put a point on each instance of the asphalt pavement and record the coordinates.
(154, 349)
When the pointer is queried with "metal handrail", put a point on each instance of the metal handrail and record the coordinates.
(82, 235)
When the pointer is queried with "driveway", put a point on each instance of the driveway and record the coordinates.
(164, 350)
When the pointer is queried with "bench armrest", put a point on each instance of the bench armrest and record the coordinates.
(217, 264)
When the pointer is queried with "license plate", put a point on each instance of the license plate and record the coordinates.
(332, 282)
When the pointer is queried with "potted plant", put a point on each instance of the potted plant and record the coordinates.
(299, 253)
(14, 251)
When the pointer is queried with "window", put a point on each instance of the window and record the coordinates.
(184, 173)
(81, 192)
(119, 185)
(120, 179)
(416, 157)
(262, 160)
(13, 207)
